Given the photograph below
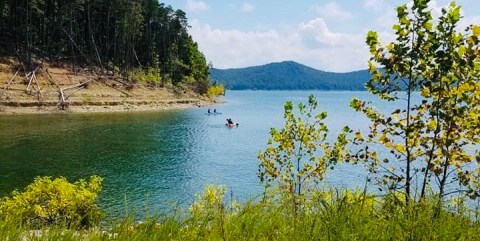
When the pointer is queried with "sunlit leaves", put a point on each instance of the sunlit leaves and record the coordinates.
(454, 12)
(476, 30)
(299, 154)
(429, 139)
(55, 202)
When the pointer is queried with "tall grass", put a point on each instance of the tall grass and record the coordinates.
(331, 215)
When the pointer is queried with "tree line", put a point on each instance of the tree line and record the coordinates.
(114, 35)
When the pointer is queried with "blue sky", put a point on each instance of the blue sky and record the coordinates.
(324, 34)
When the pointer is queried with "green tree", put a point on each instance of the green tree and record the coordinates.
(299, 154)
(428, 140)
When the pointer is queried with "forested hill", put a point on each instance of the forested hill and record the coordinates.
(115, 35)
(288, 75)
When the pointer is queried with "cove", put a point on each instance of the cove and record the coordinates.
(160, 159)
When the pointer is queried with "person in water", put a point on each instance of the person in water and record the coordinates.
(214, 111)
(208, 111)
(230, 122)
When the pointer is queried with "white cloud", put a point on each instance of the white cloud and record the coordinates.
(311, 43)
(316, 32)
(375, 5)
(333, 10)
(436, 8)
(462, 24)
(387, 19)
(196, 6)
(315, 42)
(247, 7)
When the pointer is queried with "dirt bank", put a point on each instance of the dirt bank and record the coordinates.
(45, 88)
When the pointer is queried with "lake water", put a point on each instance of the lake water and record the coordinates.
(157, 159)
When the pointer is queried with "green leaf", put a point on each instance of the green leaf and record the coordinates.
(396, 27)
(288, 106)
(402, 11)
(322, 115)
(371, 67)
(461, 50)
(457, 38)
(454, 12)
(390, 46)
(353, 103)
(476, 30)
(372, 38)
(405, 21)
(428, 25)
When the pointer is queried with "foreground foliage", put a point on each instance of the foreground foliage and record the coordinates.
(54, 202)
(431, 141)
(298, 155)
(327, 215)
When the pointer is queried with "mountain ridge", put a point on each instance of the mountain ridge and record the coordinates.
(288, 75)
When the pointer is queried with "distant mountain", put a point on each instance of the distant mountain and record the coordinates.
(288, 75)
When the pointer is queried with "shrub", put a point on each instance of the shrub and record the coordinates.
(54, 202)
(216, 90)
(148, 76)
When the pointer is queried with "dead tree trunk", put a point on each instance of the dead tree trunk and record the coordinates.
(5, 88)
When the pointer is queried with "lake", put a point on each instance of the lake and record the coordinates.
(159, 159)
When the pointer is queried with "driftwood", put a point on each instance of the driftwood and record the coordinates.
(36, 82)
(74, 91)
(121, 82)
(7, 86)
(123, 92)
(32, 76)
(63, 103)
(50, 78)
(27, 78)
(39, 91)
(77, 85)
(11, 80)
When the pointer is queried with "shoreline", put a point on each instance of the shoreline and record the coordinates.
(57, 90)
(106, 107)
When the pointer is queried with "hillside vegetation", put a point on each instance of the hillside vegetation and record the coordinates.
(288, 75)
(55, 89)
(112, 47)
(115, 36)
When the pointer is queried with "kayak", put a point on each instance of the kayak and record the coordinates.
(234, 124)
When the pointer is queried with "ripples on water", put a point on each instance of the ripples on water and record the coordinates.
(161, 158)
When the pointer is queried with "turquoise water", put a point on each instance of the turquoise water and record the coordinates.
(159, 159)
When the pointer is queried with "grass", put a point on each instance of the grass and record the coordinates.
(322, 216)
